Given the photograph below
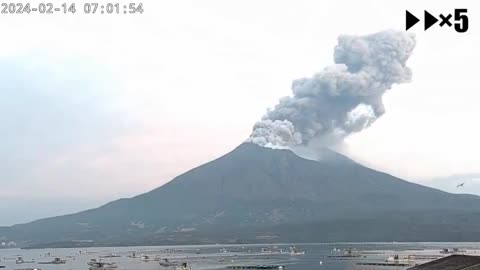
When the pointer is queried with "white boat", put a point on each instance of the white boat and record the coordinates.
(397, 259)
(294, 251)
(345, 254)
(112, 255)
(20, 260)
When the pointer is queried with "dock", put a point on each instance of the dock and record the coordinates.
(453, 262)
(256, 267)
(386, 264)
(345, 256)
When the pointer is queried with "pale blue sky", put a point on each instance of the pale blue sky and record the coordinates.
(94, 108)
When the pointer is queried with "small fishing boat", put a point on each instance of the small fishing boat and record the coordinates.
(57, 260)
(183, 266)
(265, 250)
(111, 255)
(133, 255)
(100, 265)
(452, 251)
(147, 258)
(345, 254)
(20, 260)
(397, 259)
(294, 251)
(168, 263)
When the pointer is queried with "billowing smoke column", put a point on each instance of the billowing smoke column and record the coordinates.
(343, 98)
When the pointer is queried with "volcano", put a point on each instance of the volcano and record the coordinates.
(255, 194)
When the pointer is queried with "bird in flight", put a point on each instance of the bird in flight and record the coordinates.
(460, 185)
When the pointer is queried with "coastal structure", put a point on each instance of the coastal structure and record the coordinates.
(453, 262)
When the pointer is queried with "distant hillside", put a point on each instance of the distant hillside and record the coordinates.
(256, 194)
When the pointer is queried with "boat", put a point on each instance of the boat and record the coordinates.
(392, 261)
(20, 260)
(147, 258)
(57, 260)
(346, 254)
(93, 261)
(265, 250)
(397, 259)
(133, 255)
(168, 263)
(294, 251)
(183, 266)
(112, 255)
(100, 265)
(452, 251)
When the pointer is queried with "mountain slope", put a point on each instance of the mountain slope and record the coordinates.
(260, 194)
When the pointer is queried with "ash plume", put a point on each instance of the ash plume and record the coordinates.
(344, 98)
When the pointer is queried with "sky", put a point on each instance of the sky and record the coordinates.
(99, 107)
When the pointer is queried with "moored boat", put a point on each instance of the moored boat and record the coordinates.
(57, 260)
(100, 265)
(183, 266)
(345, 254)
(111, 255)
(294, 251)
(148, 258)
(168, 263)
(20, 260)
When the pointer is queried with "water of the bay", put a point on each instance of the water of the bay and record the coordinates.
(316, 257)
